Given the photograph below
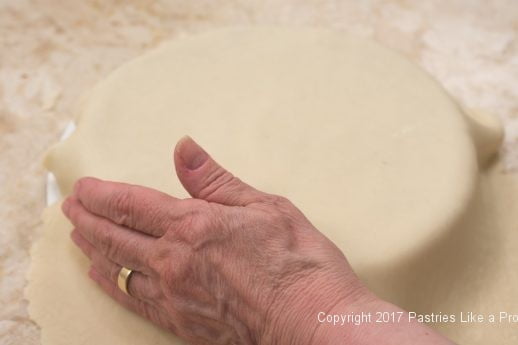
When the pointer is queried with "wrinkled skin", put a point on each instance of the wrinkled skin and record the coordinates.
(231, 265)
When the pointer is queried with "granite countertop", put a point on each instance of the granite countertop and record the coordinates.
(51, 51)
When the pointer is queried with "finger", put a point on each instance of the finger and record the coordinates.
(136, 207)
(140, 307)
(205, 179)
(120, 244)
(139, 285)
(82, 243)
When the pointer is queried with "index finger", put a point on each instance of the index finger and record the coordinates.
(140, 208)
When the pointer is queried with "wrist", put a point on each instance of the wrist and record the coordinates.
(339, 324)
(296, 320)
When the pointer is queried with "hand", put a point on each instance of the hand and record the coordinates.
(232, 265)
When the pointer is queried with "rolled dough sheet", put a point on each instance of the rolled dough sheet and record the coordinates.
(372, 150)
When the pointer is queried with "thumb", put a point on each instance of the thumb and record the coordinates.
(205, 179)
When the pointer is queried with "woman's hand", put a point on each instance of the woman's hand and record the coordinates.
(232, 265)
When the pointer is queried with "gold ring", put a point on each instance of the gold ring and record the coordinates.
(123, 279)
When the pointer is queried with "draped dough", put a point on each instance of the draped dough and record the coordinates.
(371, 148)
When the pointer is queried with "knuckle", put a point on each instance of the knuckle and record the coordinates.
(163, 215)
(147, 259)
(162, 252)
(171, 263)
(276, 217)
(120, 203)
(105, 240)
(192, 224)
(281, 210)
(278, 206)
(174, 275)
(214, 181)
(155, 215)
(161, 258)
(169, 275)
(277, 201)
(107, 247)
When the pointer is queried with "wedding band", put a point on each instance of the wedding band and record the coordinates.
(123, 279)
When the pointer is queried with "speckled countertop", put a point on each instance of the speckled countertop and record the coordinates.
(51, 51)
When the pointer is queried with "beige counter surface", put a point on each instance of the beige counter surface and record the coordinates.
(52, 51)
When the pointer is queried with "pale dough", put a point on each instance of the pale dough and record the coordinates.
(372, 150)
